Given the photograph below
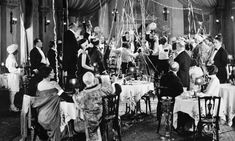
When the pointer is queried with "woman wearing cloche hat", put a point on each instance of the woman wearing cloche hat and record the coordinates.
(13, 76)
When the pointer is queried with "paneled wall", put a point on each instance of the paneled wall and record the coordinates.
(42, 10)
(7, 37)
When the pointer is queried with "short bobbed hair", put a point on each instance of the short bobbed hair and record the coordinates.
(45, 71)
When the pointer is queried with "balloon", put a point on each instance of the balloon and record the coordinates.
(152, 26)
(97, 29)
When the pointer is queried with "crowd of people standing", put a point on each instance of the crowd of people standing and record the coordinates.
(86, 54)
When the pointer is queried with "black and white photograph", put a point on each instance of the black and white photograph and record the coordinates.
(117, 70)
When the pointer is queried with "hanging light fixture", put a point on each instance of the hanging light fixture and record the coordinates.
(165, 12)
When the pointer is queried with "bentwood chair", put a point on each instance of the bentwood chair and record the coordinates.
(209, 107)
(146, 97)
(152, 94)
(110, 113)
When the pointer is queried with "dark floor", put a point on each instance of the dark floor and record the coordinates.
(140, 130)
(9, 126)
(146, 131)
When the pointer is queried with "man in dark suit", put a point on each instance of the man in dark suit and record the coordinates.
(70, 49)
(37, 57)
(184, 61)
(51, 54)
(220, 59)
(172, 86)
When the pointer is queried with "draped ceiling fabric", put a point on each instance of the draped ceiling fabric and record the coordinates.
(207, 6)
(84, 7)
(27, 11)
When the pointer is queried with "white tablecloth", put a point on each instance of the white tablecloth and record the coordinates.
(227, 94)
(68, 112)
(190, 106)
(132, 93)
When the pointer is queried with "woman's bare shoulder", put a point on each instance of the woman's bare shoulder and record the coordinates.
(44, 85)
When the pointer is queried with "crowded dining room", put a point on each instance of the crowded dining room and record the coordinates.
(117, 70)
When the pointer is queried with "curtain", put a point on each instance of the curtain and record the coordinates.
(207, 6)
(23, 46)
(26, 11)
(84, 7)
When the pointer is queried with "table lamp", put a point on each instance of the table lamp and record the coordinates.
(198, 81)
(3, 68)
(132, 70)
(73, 84)
(95, 65)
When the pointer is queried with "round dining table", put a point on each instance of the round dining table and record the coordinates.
(189, 105)
(132, 91)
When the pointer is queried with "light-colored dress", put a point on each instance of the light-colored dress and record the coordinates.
(13, 76)
(213, 87)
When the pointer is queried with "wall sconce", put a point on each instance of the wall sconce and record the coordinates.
(114, 13)
(165, 12)
(46, 23)
(13, 21)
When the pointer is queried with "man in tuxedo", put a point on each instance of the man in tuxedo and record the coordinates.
(70, 49)
(220, 59)
(184, 61)
(37, 57)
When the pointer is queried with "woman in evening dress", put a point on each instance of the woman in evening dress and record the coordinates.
(47, 103)
(83, 63)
